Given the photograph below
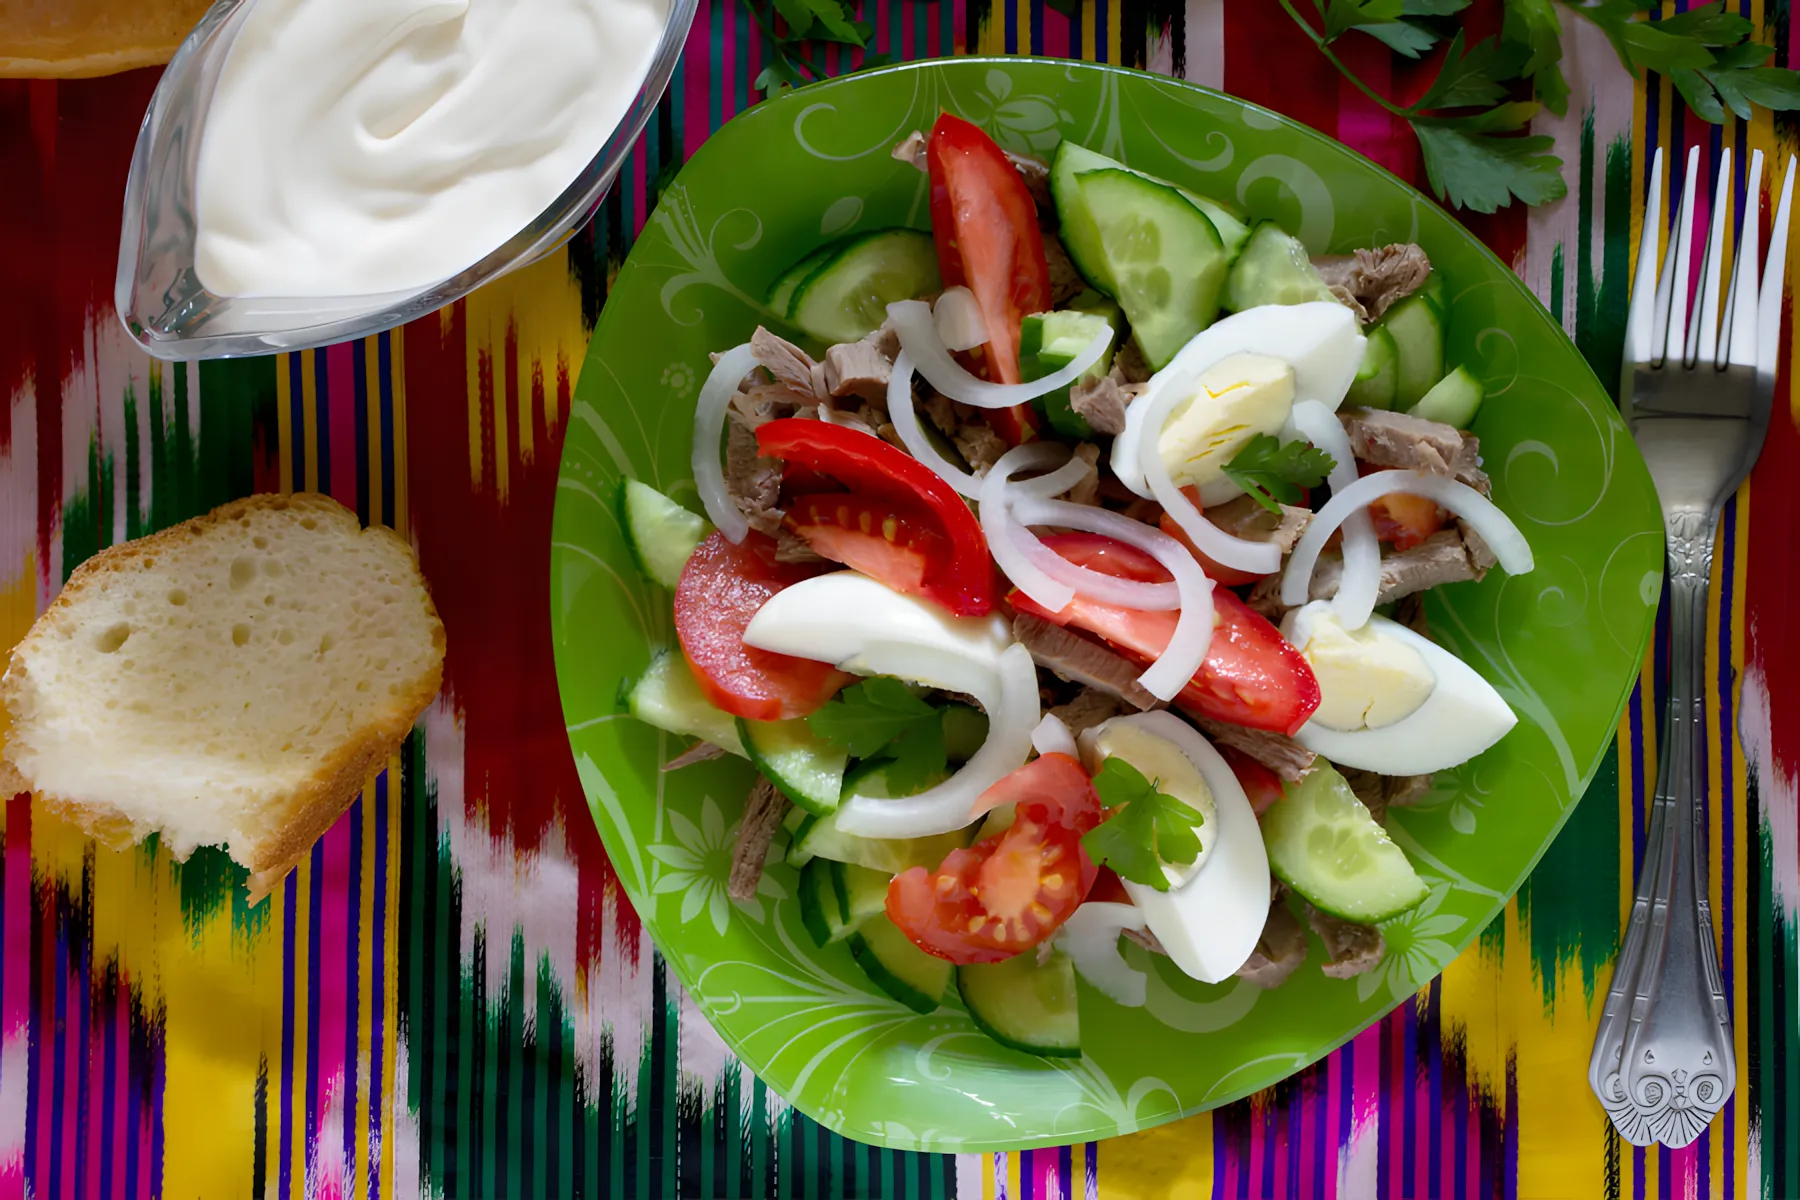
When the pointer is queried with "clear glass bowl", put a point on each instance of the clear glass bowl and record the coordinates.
(160, 297)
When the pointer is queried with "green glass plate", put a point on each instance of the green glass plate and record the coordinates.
(1562, 645)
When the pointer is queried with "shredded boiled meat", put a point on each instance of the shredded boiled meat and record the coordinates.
(699, 752)
(1087, 488)
(1066, 282)
(1373, 281)
(1276, 751)
(858, 369)
(763, 812)
(1089, 708)
(791, 548)
(1074, 658)
(979, 445)
(1243, 517)
(786, 363)
(1129, 363)
(753, 482)
(1439, 559)
(1350, 949)
(1101, 403)
(1280, 949)
(1391, 439)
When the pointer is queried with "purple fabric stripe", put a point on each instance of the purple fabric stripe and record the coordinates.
(353, 978)
(289, 893)
(378, 986)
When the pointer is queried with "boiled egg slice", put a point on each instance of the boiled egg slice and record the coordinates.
(833, 618)
(1391, 701)
(1215, 909)
(1320, 343)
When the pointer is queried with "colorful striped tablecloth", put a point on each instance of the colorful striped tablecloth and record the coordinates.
(452, 997)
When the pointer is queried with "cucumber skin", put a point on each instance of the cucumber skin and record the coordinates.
(868, 957)
(817, 897)
(1377, 390)
(1416, 377)
(1282, 869)
(723, 734)
(1453, 400)
(1040, 1051)
(746, 735)
(841, 250)
(622, 507)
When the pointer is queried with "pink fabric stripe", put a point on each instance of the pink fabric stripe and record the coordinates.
(340, 383)
(66, 1030)
(120, 1082)
(696, 81)
(1365, 1089)
(1046, 1178)
(961, 19)
(1326, 1143)
(329, 985)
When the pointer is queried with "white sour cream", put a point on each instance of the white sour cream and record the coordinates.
(356, 147)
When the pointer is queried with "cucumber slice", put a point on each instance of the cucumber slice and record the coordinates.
(660, 534)
(1454, 399)
(781, 292)
(819, 837)
(1325, 845)
(1023, 1005)
(861, 893)
(1379, 375)
(808, 769)
(965, 729)
(999, 819)
(1433, 289)
(846, 296)
(1050, 341)
(1274, 268)
(1080, 233)
(1417, 327)
(1234, 233)
(899, 968)
(820, 908)
(667, 697)
(1165, 256)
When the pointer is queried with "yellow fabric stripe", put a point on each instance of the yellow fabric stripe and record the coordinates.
(284, 421)
(390, 1015)
(1173, 1160)
(309, 416)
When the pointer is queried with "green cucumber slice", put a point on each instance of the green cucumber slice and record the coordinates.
(820, 909)
(808, 769)
(660, 534)
(1048, 342)
(667, 697)
(1025, 1005)
(845, 298)
(1417, 327)
(899, 968)
(861, 893)
(1164, 255)
(820, 837)
(1433, 289)
(1080, 233)
(1454, 399)
(1234, 232)
(1325, 845)
(1379, 375)
(1274, 268)
(781, 292)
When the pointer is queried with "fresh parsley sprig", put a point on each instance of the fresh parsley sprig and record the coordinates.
(1147, 830)
(790, 59)
(1484, 159)
(881, 718)
(1273, 472)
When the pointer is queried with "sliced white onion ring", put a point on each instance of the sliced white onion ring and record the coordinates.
(919, 338)
(1482, 514)
(1360, 585)
(903, 411)
(1193, 631)
(1091, 936)
(958, 320)
(1011, 553)
(1011, 700)
(1257, 558)
(1053, 737)
(709, 425)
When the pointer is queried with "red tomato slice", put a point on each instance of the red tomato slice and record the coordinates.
(1108, 889)
(986, 228)
(1007, 894)
(948, 557)
(1406, 520)
(1229, 576)
(1260, 784)
(1251, 675)
(721, 588)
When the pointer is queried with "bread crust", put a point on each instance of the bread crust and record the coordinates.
(309, 809)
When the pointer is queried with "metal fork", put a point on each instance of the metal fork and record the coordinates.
(1696, 392)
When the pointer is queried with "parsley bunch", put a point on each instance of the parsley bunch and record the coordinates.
(791, 59)
(1471, 121)
(881, 718)
(1147, 829)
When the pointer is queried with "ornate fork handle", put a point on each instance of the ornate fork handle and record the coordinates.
(1664, 1065)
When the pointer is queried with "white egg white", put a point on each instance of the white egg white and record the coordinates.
(833, 618)
(1209, 924)
(1321, 340)
(1461, 717)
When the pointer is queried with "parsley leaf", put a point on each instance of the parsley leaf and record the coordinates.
(1147, 829)
(1473, 168)
(786, 61)
(881, 718)
(1273, 471)
(1473, 79)
(1535, 26)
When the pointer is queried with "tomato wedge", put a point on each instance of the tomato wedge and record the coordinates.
(1404, 520)
(721, 588)
(986, 227)
(898, 522)
(1251, 675)
(1007, 894)
(1261, 785)
(1229, 576)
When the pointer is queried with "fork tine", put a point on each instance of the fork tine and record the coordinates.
(1641, 316)
(1703, 327)
(1670, 333)
(1739, 336)
(1768, 313)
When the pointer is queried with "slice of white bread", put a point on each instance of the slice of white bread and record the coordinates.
(231, 681)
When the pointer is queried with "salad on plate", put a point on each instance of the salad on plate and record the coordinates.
(1062, 583)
